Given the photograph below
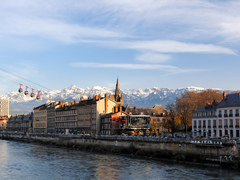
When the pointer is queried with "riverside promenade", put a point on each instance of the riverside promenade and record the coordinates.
(219, 152)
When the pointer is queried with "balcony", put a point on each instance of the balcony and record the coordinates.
(214, 126)
(219, 115)
(236, 115)
(230, 115)
(220, 126)
(204, 126)
(237, 126)
(199, 126)
(209, 126)
(195, 126)
(231, 126)
(225, 126)
(225, 115)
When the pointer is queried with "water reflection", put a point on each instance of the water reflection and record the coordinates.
(34, 161)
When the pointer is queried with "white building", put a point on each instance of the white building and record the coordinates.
(4, 107)
(218, 119)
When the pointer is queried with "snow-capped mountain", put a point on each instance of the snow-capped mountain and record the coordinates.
(19, 103)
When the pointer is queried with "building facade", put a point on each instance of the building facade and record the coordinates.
(4, 107)
(218, 119)
(3, 123)
(40, 119)
(66, 118)
(20, 123)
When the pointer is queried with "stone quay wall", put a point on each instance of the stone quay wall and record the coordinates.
(222, 152)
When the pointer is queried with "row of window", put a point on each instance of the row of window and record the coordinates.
(66, 112)
(221, 123)
(66, 118)
(66, 124)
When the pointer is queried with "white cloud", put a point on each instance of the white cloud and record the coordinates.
(166, 46)
(151, 57)
(166, 68)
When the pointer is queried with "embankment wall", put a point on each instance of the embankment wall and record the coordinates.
(224, 152)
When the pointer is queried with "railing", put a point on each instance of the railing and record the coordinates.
(220, 126)
(236, 115)
(230, 115)
(209, 126)
(219, 115)
(225, 115)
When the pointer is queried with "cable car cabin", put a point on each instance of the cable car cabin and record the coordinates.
(38, 97)
(26, 92)
(32, 94)
(20, 90)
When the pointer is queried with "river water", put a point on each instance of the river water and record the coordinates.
(23, 161)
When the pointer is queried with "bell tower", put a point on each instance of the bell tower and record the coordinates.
(118, 95)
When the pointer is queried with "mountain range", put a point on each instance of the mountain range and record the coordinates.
(19, 103)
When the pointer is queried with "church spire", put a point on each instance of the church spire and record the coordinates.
(118, 94)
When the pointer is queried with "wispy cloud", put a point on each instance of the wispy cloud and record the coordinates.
(158, 67)
(151, 57)
(167, 46)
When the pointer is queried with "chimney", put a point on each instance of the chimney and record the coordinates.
(208, 104)
(224, 95)
(135, 107)
(75, 102)
(120, 108)
(106, 103)
(89, 97)
(99, 96)
(116, 109)
(94, 97)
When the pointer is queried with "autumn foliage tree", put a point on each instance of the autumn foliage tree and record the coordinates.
(173, 119)
(191, 101)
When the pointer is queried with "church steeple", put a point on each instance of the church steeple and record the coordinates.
(118, 94)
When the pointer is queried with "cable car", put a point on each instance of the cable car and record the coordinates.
(38, 96)
(26, 92)
(32, 94)
(20, 89)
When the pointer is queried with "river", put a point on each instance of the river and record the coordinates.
(23, 161)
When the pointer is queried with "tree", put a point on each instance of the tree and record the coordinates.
(191, 101)
(173, 118)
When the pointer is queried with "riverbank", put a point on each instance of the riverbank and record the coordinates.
(224, 153)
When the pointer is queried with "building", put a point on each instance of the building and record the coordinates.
(44, 117)
(3, 123)
(157, 114)
(27, 123)
(218, 119)
(51, 116)
(89, 111)
(40, 119)
(66, 118)
(4, 107)
(115, 122)
(20, 123)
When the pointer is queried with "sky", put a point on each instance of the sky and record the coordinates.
(154, 43)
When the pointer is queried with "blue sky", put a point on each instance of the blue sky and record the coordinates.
(169, 44)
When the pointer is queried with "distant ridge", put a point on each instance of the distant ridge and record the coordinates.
(148, 97)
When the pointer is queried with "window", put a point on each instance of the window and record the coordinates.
(231, 123)
(220, 113)
(237, 123)
(220, 123)
(237, 113)
(209, 123)
(225, 123)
